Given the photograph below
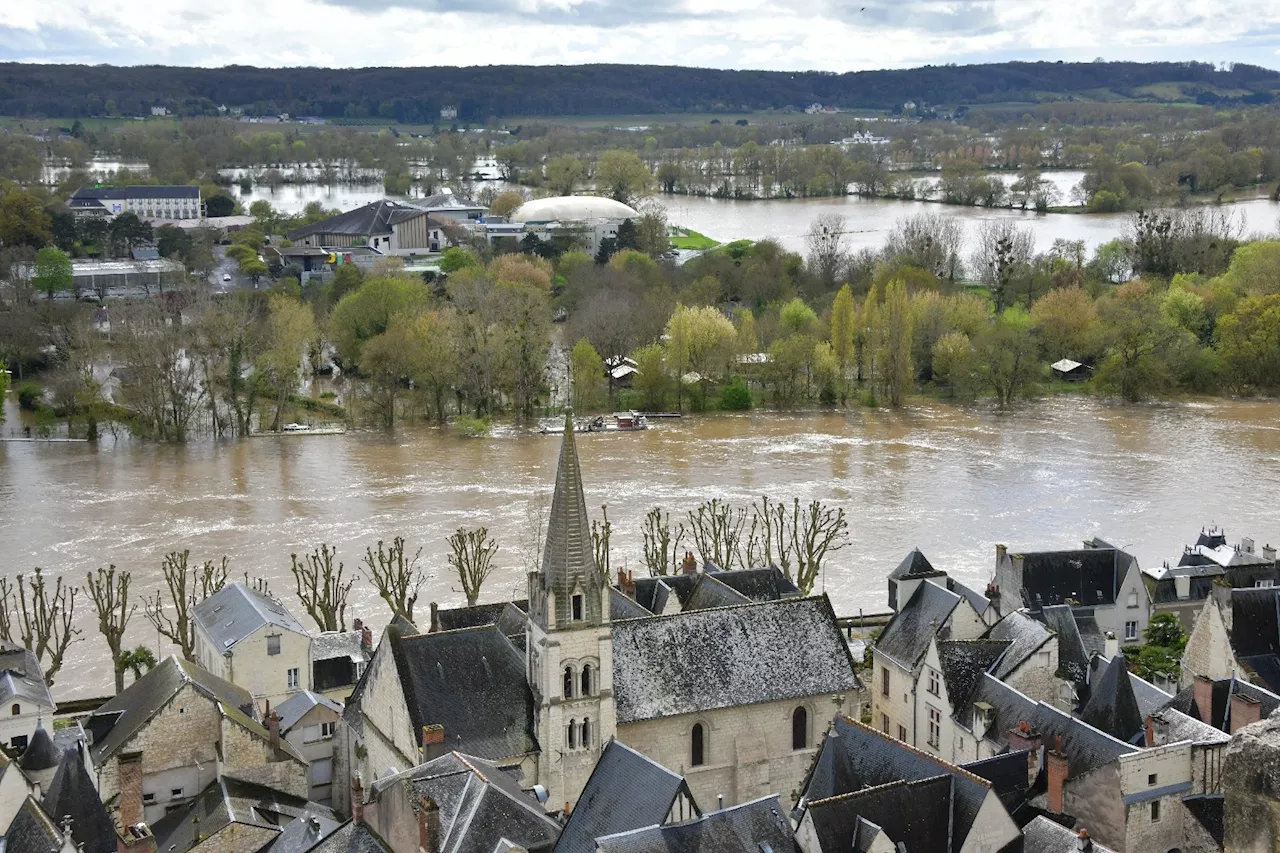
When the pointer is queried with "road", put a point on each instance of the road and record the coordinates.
(225, 266)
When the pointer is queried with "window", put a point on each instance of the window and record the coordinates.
(884, 681)
(586, 680)
(577, 607)
(175, 793)
(698, 745)
(586, 734)
(149, 798)
(1266, 583)
(884, 723)
(293, 678)
(933, 682)
(935, 727)
(1155, 811)
(326, 729)
(902, 733)
(17, 709)
(273, 644)
(568, 682)
(321, 771)
(1131, 630)
(573, 734)
(19, 742)
(800, 728)
(1151, 778)
(1133, 599)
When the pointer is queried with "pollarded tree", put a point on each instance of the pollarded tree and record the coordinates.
(187, 585)
(398, 579)
(320, 587)
(472, 559)
(661, 543)
(601, 531)
(716, 527)
(39, 618)
(109, 593)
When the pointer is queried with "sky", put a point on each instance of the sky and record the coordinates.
(826, 35)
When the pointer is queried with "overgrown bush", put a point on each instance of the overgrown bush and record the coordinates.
(735, 397)
(30, 395)
(470, 427)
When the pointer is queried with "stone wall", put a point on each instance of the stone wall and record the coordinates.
(1251, 782)
(249, 756)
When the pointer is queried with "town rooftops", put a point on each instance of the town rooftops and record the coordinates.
(113, 724)
(728, 656)
(627, 790)
(964, 661)
(1112, 707)
(376, 217)
(293, 709)
(480, 804)
(915, 813)
(22, 677)
(472, 681)
(1219, 715)
(1042, 835)
(32, 830)
(1025, 636)
(351, 837)
(768, 583)
(915, 564)
(235, 612)
(906, 638)
(72, 794)
(1073, 656)
(230, 801)
(758, 826)
(1089, 576)
(40, 753)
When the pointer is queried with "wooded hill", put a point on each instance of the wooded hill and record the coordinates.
(417, 94)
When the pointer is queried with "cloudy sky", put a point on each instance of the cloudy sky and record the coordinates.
(835, 35)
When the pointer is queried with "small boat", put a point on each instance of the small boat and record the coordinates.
(617, 422)
(303, 429)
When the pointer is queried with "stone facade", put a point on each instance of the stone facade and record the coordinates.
(249, 756)
(236, 838)
(1208, 652)
(309, 739)
(251, 664)
(1251, 783)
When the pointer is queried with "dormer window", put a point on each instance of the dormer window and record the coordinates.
(578, 604)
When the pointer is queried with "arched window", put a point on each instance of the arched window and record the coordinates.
(17, 709)
(800, 728)
(573, 734)
(568, 682)
(586, 734)
(587, 672)
(698, 743)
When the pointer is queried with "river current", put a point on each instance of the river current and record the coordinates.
(954, 481)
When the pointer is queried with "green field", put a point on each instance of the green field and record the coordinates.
(688, 239)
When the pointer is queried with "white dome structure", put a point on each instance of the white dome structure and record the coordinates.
(572, 208)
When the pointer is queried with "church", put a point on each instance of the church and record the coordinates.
(733, 691)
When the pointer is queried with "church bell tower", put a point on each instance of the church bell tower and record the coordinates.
(569, 647)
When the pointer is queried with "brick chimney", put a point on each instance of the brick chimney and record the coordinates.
(1244, 710)
(428, 825)
(273, 733)
(432, 742)
(130, 773)
(357, 799)
(366, 638)
(1202, 692)
(435, 618)
(1083, 842)
(1057, 777)
(1150, 739)
(1025, 736)
(689, 565)
(630, 587)
(357, 624)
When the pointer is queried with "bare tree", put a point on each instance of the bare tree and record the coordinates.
(661, 543)
(41, 616)
(397, 579)
(187, 586)
(320, 587)
(1003, 254)
(109, 593)
(716, 527)
(472, 559)
(930, 241)
(827, 245)
(815, 532)
(600, 533)
(768, 542)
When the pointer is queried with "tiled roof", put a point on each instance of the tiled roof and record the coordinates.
(236, 611)
(759, 826)
(907, 636)
(296, 707)
(627, 790)
(472, 682)
(73, 794)
(22, 677)
(1025, 635)
(963, 663)
(727, 656)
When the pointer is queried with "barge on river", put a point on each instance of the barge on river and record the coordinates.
(302, 429)
(617, 422)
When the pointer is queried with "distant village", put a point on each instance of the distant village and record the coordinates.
(707, 710)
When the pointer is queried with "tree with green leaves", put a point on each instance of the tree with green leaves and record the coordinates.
(290, 327)
(1007, 357)
(843, 317)
(52, 272)
(24, 221)
(700, 341)
(564, 174)
(893, 353)
(586, 371)
(139, 660)
(622, 176)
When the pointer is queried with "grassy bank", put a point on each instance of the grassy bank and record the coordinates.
(689, 239)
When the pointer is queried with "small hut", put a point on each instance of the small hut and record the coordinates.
(1070, 371)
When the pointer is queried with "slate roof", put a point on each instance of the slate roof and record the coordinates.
(137, 191)
(728, 656)
(376, 217)
(72, 794)
(22, 677)
(1025, 636)
(296, 707)
(478, 615)
(758, 826)
(1223, 689)
(235, 612)
(1007, 774)
(915, 564)
(447, 201)
(1044, 836)
(906, 637)
(472, 681)
(708, 591)
(623, 607)
(32, 830)
(480, 804)
(854, 757)
(1210, 812)
(963, 663)
(1112, 707)
(226, 801)
(763, 584)
(328, 645)
(979, 601)
(1255, 628)
(126, 713)
(1178, 726)
(568, 556)
(39, 754)
(627, 790)
(1073, 658)
(915, 813)
(351, 838)
(1090, 576)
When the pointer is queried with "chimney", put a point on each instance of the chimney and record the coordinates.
(630, 588)
(1025, 736)
(1083, 842)
(993, 595)
(568, 809)
(435, 618)
(1244, 710)
(1247, 545)
(129, 770)
(1150, 739)
(428, 825)
(1111, 646)
(1001, 550)
(1202, 692)
(432, 741)
(1057, 773)
(366, 638)
(689, 565)
(357, 800)
(1268, 553)
(357, 624)
(273, 733)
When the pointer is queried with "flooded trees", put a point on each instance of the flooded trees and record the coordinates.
(39, 618)
(108, 591)
(397, 579)
(827, 243)
(661, 543)
(161, 382)
(472, 560)
(320, 587)
(186, 585)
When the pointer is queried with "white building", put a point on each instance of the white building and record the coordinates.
(588, 220)
(308, 721)
(147, 202)
(24, 696)
(253, 641)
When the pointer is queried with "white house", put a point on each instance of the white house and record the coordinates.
(308, 721)
(25, 699)
(253, 641)
(147, 202)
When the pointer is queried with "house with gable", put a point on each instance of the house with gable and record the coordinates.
(24, 696)
(1237, 634)
(34, 831)
(731, 697)
(1183, 588)
(308, 721)
(252, 640)
(759, 825)
(15, 787)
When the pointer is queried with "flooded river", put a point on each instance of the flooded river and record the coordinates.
(952, 481)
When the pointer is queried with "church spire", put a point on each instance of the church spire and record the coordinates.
(568, 559)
